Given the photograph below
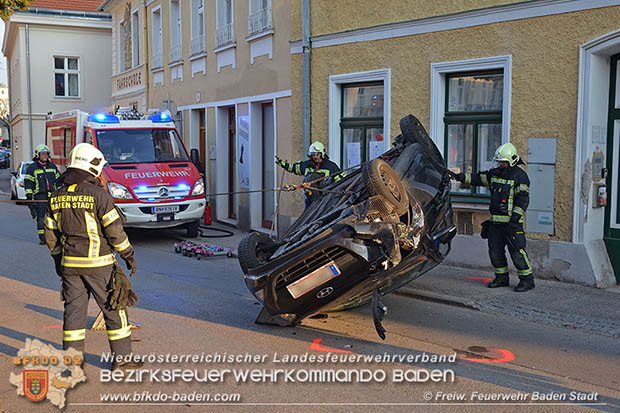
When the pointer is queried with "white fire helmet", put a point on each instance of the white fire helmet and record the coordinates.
(86, 157)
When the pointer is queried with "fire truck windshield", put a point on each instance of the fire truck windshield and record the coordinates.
(120, 146)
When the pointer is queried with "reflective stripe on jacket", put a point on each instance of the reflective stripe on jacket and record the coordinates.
(83, 224)
(510, 192)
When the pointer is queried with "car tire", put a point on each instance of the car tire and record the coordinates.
(192, 229)
(381, 180)
(250, 248)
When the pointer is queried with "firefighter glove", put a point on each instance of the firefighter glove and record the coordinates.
(281, 163)
(131, 265)
(460, 177)
(121, 294)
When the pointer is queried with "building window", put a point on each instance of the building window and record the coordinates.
(176, 53)
(473, 123)
(197, 43)
(66, 77)
(157, 62)
(135, 39)
(224, 33)
(122, 49)
(361, 123)
(260, 18)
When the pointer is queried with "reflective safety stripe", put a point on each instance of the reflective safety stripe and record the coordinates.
(29, 177)
(71, 188)
(483, 178)
(525, 257)
(93, 234)
(86, 262)
(467, 178)
(57, 218)
(110, 217)
(74, 335)
(122, 246)
(28, 191)
(518, 210)
(50, 223)
(298, 168)
(57, 250)
(524, 272)
(41, 231)
(510, 182)
(501, 270)
(123, 315)
(524, 188)
(119, 334)
(500, 218)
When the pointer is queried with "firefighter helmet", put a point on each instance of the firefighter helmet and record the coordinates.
(87, 158)
(41, 149)
(317, 147)
(508, 153)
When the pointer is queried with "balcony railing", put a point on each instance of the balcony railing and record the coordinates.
(197, 45)
(260, 21)
(176, 53)
(157, 62)
(224, 35)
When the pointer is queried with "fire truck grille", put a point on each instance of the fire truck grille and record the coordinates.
(158, 193)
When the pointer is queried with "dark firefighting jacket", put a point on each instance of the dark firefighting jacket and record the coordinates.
(308, 167)
(83, 227)
(40, 180)
(510, 192)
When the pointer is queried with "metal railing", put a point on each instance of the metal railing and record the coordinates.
(197, 45)
(224, 35)
(157, 61)
(260, 21)
(176, 53)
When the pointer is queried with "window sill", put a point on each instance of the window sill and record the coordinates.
(175, 63)
(127, 70)
(67, 97)
(157, 69)
(266, 32)
(197, 56)
(225, 47)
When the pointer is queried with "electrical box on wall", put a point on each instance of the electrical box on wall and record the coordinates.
(541, 158)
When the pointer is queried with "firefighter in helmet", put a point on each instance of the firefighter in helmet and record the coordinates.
(83, 229)
(509, 186)
(40, 182)
(318, 165)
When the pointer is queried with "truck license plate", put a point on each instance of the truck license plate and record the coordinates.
(164, 209)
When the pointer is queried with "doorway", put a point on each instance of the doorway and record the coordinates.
(611, 233)
(268, 178)
(232, 164)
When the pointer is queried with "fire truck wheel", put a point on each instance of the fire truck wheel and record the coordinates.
(192, 229)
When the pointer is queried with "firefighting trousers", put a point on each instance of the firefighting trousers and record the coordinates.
(40, 209)
(500, 238)
(76, 291)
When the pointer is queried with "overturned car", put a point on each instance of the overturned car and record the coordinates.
(383, 225)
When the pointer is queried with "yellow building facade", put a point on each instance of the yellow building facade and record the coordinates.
(222, 67)
(479, 73)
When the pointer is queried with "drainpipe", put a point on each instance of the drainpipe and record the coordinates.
(146, 59)
(29, 88)
(306, 119)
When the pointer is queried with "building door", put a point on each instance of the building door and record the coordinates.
(268, 178)
(202, 142)
(612, 210)
(232, 163)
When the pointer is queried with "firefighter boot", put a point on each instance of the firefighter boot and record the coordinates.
(499, 281)
(525, 284)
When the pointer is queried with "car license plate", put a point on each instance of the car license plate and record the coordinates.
(313, 280)
(164, 209)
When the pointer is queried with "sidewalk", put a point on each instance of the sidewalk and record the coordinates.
(551, 302)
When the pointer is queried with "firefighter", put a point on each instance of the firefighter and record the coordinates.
(317, 166)
(83, 228)
(40, 182)
(509, 186)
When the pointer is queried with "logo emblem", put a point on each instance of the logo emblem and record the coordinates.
(325, 292)
(163, 192)
(36, 384)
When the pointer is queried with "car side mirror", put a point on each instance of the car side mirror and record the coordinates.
(194, 155)
(14, 173)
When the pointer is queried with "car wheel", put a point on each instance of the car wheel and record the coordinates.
(192, 229)
(254, 250)
(381, 180)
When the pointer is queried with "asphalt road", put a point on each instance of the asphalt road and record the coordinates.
(191, 307)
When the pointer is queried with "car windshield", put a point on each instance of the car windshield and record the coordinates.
(24, 168)
(121, 146)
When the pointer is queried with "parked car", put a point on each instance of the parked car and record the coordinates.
(5, 157)
(380, 227)
(17, 181)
